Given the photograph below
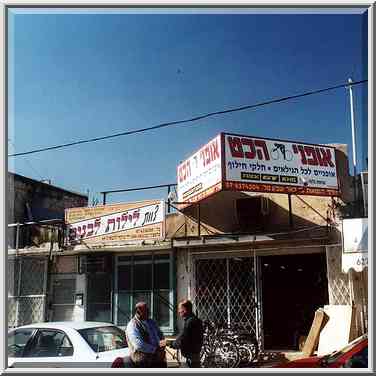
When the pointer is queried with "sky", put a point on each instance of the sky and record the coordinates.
(74, 75)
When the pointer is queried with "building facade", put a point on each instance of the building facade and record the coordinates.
(265, 261)
(35, 229)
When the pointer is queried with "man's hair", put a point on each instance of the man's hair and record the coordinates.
(187, 304)
(139, 305)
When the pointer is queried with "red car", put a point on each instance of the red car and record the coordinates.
(353, 355)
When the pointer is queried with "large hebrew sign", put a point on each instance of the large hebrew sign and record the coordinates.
(116, 223)
(246, 163)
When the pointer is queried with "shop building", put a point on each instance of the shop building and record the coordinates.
(263, 258)
(35, 229)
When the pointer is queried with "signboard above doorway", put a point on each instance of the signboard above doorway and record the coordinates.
(244, 163)
(110, 224)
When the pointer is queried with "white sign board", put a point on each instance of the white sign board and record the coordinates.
(200, 175)
(355, 244)
(268, 165)
(117, 222)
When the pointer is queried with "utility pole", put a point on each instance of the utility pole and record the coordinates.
(353, 142)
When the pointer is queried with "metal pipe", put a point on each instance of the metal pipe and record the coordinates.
(265, 249)
(139, 188)
(104, 197)
(168, 199)
(228, 292)
(352, 125)
(199, 219)
(17, 236)
(353, 135)
(290, 211)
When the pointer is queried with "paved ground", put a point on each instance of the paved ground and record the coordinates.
(266, 359)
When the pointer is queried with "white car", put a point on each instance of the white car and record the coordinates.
(67, 344)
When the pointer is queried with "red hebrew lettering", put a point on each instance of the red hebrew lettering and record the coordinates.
(252, 151)
(97, 225)
(236, 147)
(300, 149)
(261, 144)
(310, 151)
(124, 219)
(203, 155)
(184, 171)
(90, 227)
(324, 157)
(215, 150)
(209, 153)
(110, 221)
(136, 215)
(72, 233)
(83, 231)
(79, 230)
(118, 219)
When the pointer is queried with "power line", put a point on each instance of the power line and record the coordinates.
(193, 119)
(27, 161)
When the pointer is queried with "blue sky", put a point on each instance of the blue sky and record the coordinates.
(80, 75)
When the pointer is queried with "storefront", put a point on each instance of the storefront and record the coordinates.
(272, 293)
(105, 287)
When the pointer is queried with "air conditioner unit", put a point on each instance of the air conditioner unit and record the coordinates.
(95, 264)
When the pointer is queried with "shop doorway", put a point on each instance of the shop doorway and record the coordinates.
(293, 288)
(225, 291)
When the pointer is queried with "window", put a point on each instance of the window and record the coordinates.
(145, 278)
(50, 343)
(99, 297)
(63, 291)
(17, 341)
(107, 338)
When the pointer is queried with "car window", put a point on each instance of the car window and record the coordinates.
(105, 338)
(50, 343)
(17, 341)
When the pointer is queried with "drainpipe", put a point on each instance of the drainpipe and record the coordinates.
(17, 236)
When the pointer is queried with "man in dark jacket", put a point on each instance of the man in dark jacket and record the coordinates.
(190, 340)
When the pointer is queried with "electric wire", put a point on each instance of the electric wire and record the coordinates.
(190, 120)
(27, 161)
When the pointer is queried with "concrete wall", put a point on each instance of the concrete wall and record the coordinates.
(30, 200)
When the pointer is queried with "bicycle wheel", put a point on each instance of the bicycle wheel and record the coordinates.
(288, 155)
(252, 348)
(226, 354)
(275, 154)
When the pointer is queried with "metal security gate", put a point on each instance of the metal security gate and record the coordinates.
(225, 291)
(26, 290)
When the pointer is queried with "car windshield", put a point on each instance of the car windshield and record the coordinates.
(106, 338)
(337, 354)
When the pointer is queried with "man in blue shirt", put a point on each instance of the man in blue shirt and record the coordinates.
(145, 340)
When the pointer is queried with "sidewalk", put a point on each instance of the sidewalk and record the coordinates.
(266, 359)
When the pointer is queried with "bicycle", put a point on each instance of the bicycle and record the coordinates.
(281, 149)
(218, 350)
(246, 342)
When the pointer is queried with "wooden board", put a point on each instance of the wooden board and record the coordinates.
(339, 330)
(312, 340)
